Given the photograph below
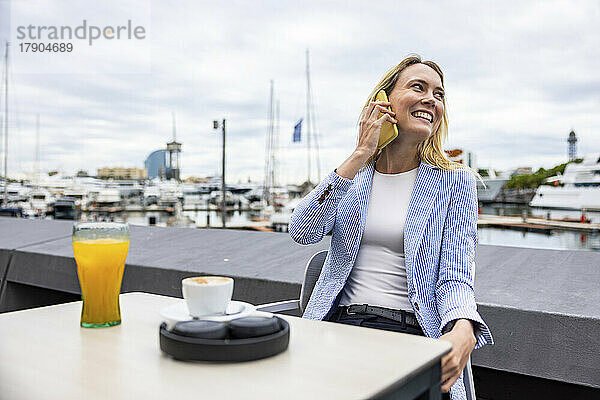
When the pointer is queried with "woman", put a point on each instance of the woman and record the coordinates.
(404, 226)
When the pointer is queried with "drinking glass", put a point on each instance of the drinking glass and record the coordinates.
(100, 250)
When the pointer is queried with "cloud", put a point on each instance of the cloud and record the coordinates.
(519, 77)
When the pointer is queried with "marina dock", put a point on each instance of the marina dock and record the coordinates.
(534, 224)
(168, 209)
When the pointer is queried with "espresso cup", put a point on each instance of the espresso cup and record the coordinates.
(207, 295)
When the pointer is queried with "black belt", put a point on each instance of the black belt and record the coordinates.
(402, 316)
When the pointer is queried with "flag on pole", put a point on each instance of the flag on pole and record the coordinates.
(298, 131)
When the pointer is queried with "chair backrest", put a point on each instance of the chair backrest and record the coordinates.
(311, 275)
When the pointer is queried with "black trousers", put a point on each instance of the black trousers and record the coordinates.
(374, 321)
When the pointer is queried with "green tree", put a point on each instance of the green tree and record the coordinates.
(532, 181)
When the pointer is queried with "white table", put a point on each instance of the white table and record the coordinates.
(44, 354)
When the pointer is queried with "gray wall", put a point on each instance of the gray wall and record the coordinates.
(542, 306)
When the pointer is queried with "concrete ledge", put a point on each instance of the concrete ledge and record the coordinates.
(266, 266)
(545, 345)
(551, 281)
(543, 306)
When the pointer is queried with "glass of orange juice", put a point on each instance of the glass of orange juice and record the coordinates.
(100, 250)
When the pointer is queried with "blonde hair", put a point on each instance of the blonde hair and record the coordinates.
(430, 150)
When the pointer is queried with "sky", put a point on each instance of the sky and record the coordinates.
(519, 75)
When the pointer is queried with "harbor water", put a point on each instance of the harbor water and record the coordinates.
(554, 239)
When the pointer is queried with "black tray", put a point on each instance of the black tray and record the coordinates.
(196, 349)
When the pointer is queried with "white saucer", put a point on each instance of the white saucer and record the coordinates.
(179, 312)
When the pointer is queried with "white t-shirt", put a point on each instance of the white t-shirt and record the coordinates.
(378, 277)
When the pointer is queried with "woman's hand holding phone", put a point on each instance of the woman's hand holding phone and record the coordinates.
(372, 118)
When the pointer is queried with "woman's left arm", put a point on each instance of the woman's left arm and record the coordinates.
(461, 323)
(454, 288)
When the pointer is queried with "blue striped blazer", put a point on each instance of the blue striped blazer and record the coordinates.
(440, 236)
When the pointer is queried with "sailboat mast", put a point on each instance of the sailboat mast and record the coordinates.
(275, 147)
(315, 131)
(308, 127)
(6, 125)
(174, 126)
(268, 151)
(174, 140)
(37, 150)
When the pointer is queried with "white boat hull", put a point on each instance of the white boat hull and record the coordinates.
(494, 186)
(568, 198)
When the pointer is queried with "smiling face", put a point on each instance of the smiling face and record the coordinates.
(418, 101)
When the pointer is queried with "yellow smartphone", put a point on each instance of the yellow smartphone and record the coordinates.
(389, 131)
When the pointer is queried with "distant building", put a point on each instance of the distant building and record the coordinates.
(122, 173)
(165, 164)
(462, 156)
(196, 179)
(523, 171)
(173, 150)
(572, 146)
(156, 164)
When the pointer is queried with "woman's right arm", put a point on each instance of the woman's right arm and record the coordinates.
(314, 216)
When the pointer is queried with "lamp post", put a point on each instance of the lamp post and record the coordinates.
(216, 126)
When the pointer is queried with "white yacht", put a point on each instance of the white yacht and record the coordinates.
(18, 198)
(55, 184)
(108, 197)
(578, 188)
(281, 219)
(193, 196)
(494, 184)
(39, 200)
(15, 192)
(151, 194)
(79, 193)
(170, 193)
(216, 196)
